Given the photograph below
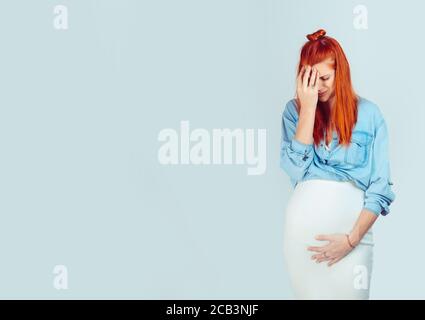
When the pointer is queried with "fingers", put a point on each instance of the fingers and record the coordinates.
(323, 237)
(320, 258)
(317, 256)
(313, 77)
(306, 76)
(333, 261)
(299, 77)
(316, 78)
(317, 249)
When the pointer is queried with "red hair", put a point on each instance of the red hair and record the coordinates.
(344, 111)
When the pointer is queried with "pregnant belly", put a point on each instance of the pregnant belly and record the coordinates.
(322, 207)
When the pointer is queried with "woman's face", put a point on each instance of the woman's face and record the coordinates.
(326, 79)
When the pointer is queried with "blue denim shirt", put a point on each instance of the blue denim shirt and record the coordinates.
(365, 161)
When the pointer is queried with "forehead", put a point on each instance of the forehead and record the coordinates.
(325, 67)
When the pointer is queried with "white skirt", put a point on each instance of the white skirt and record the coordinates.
(326, 207)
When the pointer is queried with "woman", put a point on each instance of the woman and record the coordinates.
(335, 150)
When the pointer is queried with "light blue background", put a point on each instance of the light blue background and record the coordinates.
(81, 109)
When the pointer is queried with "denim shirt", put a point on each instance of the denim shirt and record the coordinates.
(365, 161)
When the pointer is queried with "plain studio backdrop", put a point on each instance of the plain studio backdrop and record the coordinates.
(83, 194)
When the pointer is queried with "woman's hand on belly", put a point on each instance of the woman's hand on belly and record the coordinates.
(337, 248)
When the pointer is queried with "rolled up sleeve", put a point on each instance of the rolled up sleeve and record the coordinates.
(378, 195)
(295, 156)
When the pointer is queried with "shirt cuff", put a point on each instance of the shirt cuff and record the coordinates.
(375, 209)
(300, 147)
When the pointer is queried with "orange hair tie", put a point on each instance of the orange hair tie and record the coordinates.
(316, 35)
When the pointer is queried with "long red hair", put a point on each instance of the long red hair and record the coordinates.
(344, 111)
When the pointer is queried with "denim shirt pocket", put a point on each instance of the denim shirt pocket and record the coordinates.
(358, 153)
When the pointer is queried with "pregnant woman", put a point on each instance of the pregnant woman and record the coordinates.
(335, 150)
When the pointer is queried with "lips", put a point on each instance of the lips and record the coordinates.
(321, 94)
